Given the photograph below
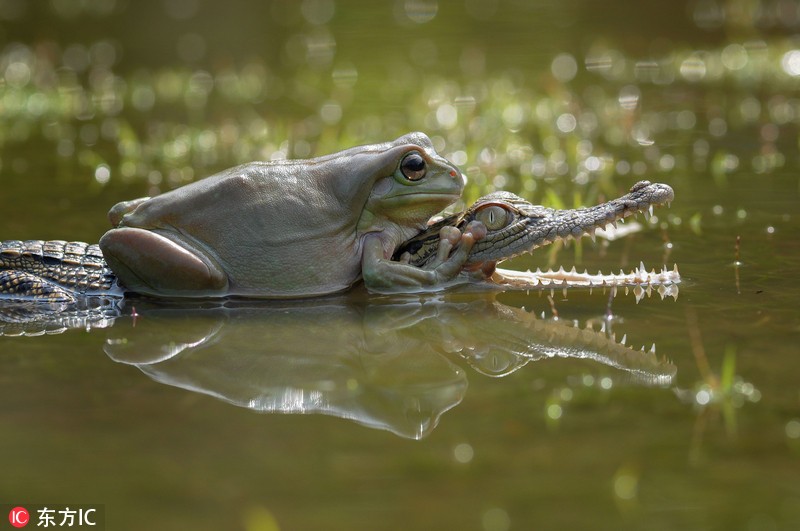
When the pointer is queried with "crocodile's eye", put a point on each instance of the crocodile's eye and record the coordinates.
(493, 216)
(413, 166)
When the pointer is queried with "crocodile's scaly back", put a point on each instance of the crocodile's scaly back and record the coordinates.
(54, 270)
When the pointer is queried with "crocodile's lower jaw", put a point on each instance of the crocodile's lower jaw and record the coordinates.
(640, 281)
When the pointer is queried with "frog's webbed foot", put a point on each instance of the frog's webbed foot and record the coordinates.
(387, 276)
(20, 285)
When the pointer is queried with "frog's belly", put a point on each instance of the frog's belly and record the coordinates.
(302, 269)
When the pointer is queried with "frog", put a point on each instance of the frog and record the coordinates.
(293, 228)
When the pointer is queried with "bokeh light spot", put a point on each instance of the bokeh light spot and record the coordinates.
(790, 62)
(421, 11)
(463, 453)
(496, 519)
(564, 67)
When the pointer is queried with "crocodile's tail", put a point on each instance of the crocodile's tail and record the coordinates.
(54, 271)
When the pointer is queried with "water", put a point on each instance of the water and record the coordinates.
(459, 411)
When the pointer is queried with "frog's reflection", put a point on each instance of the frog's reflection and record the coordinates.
(391, 362)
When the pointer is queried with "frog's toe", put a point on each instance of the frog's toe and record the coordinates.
(448, 262)
(120, 210)
(451, 267)
(149, 263)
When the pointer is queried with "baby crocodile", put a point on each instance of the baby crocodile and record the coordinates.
(515, 226)
(505, 226)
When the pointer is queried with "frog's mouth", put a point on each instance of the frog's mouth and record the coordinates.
(418, 207)
(416, 198)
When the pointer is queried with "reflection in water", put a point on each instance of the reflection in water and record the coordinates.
(36, 318)
(297, 358)
(389, 363)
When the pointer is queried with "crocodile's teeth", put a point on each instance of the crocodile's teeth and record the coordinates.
(638, 293)
(650, 211)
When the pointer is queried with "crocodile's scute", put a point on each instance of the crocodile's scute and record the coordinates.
(54, 270)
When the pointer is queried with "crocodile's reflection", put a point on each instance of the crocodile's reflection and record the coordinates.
(390, 363)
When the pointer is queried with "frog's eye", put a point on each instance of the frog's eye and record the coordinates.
(413, 166)
(493, 216)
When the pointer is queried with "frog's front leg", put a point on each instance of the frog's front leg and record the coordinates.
(383, 275)
(152, 263)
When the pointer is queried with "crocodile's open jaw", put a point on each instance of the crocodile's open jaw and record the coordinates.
(527, 227)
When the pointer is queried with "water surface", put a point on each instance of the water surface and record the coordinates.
(459, 410)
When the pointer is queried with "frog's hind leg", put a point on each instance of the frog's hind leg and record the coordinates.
(21, 285)
(152, 264)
